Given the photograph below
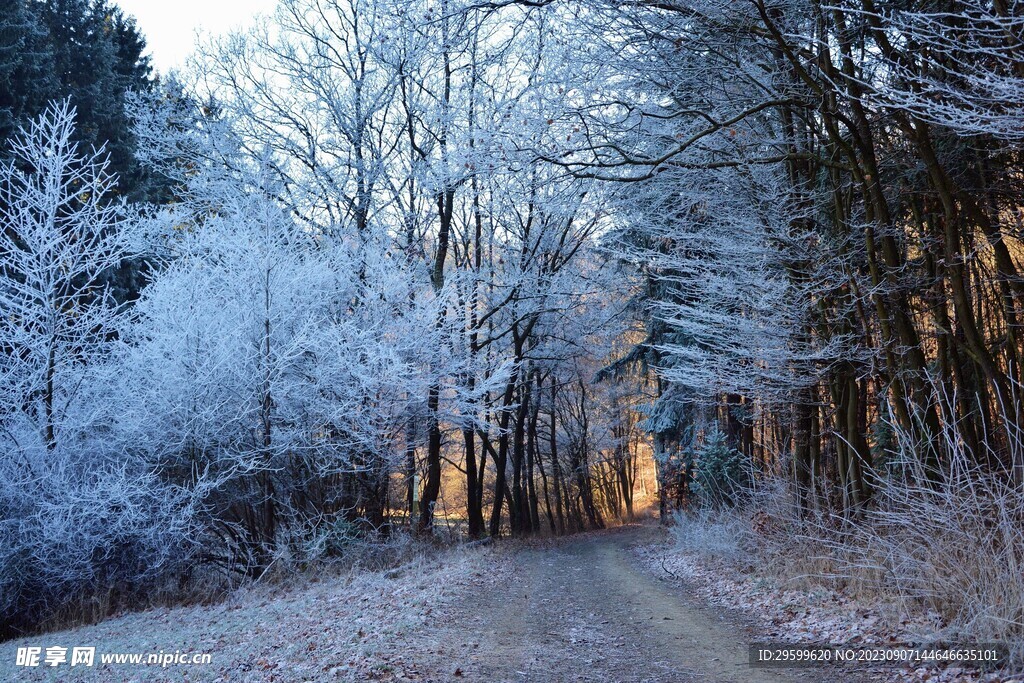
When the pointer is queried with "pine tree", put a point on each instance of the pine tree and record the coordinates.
(97, 59)
(27, 75)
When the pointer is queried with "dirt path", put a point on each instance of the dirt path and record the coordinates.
(577, 609)
(584, 610)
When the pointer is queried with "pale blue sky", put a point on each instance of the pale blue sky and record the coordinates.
(170, 25)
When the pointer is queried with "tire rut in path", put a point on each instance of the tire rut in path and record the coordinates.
(582, 610)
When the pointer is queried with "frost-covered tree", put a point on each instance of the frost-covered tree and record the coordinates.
(966, 74)
(260, 355)
(290, 374)
(61, 235)
(77, 513)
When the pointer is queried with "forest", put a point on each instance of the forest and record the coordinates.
(465, 269)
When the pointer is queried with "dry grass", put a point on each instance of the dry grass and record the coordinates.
(207, 585)
(352, 625)
(955, 549)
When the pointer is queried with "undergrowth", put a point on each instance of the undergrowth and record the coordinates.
(954, 547)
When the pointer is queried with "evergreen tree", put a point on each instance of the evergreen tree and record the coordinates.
(27, 74)
(97, 59)
(89, 53)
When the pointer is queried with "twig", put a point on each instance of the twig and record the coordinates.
(668, 571)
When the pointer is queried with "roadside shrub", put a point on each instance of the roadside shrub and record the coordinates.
(711, 533)
(74, 526)
(951, 545)
(956, 547)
